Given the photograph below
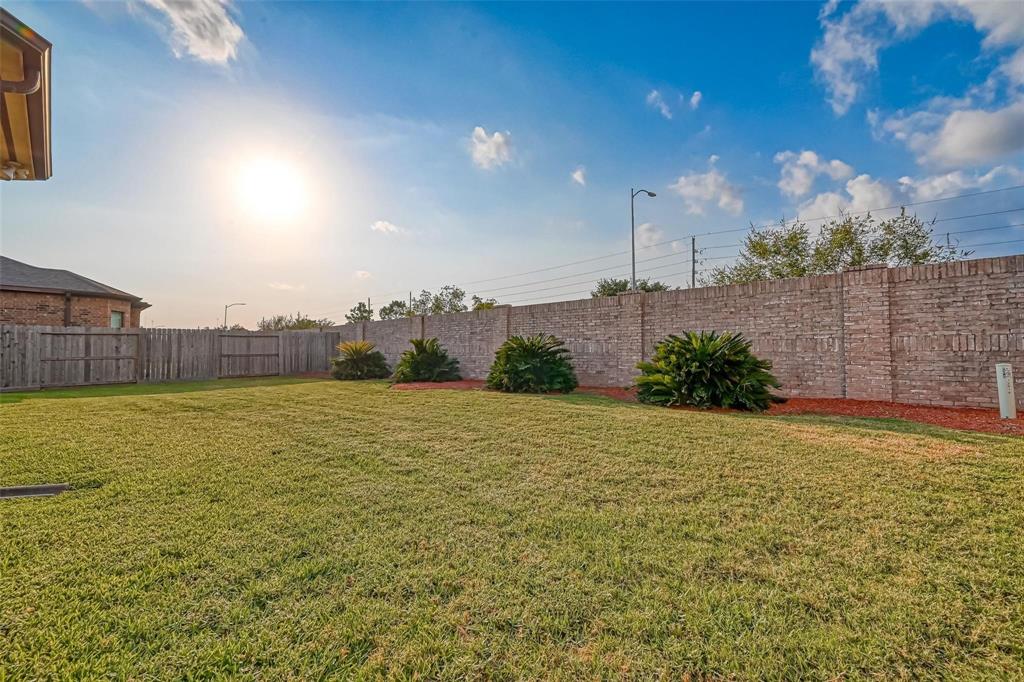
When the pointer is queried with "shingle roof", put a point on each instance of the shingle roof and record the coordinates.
(17, 275)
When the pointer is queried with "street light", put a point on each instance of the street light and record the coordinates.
(632, 226)
(229, 305)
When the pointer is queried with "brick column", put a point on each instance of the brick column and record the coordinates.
(629, 336)
(867, 333)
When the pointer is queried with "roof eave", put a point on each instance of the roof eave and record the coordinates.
(73, 292)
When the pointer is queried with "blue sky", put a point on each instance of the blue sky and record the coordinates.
(308, 155)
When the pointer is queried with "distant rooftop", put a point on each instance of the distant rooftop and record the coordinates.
(15, 275)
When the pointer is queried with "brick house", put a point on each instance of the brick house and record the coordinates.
(31, 295)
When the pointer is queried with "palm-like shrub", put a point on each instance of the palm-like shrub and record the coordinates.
(427, 360)
(706, 370)
(359, 360)
(534, 364)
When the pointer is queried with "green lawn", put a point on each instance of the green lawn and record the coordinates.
(328, 529)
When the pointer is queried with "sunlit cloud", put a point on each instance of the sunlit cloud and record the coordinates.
(203, 29)
(361, 274)
(579, 176)
(657, 102)
(799, 171)
(490, 151)
(700, 189)
(285, 286)
(386, 227)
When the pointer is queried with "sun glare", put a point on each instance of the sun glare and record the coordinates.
(271, 190)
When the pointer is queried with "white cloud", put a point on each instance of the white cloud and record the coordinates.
(656, 101)
(799, 171)
(695, 99)
(490, 151)
(203, 29)
(579, 176)
(1013, 67)
(957, 182)
(946, 135)
(386, 227)
(862, 193)
(285, 286)
(648, 235)
(846, 56)
(700, 189)
(361, 274)
(976, 136)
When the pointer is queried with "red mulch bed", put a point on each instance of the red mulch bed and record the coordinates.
(963, 418)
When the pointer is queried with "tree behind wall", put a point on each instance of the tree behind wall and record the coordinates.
(610, 286)
(279, 323)
(394, 310)
(360, 312)
(789, 250)
(483, 303)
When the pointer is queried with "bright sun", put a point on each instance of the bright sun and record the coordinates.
(271, 190)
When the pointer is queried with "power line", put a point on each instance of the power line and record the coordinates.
(718, 246)
(746, 228)
(727, 231)
(577, 274)
(711, 258)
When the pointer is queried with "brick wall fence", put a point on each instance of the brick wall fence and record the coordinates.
(927, 334)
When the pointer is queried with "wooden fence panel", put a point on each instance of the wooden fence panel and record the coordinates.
(307, 351)
(80, 356)
(38, 356)
(249, 355)
(178, 354)
(19, 357)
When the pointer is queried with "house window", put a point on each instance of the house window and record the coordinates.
(116, 319)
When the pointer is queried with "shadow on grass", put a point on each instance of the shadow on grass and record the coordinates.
(113, 390)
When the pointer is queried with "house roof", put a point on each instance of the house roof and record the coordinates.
(18, 276)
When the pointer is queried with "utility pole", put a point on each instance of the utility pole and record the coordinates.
(693, 262)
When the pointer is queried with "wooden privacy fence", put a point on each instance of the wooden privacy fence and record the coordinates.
(40, 357)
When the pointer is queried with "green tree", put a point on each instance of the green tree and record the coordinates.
(610, 286)
(279, 323)
(450, 299)
(421, 305)
(360, 312)
(395, 310)
(789, 250)
(483, 303)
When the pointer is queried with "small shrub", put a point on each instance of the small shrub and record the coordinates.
(534, 364)
(706, 370)
(359, 360)
(426, 361)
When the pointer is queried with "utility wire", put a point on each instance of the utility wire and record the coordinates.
(746, 228)
(727, 231)
(711, 258)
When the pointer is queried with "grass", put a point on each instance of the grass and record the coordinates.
(330, 529)
(107, 390)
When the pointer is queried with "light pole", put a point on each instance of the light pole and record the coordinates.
(229, 305)
(632, 228)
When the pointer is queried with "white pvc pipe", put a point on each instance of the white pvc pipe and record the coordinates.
(1004, 382)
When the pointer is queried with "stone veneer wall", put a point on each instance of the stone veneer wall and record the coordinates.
(927, 334)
